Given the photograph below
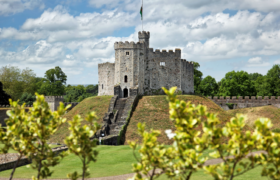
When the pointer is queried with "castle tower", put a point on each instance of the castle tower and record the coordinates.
(144, 37)
(127, 58)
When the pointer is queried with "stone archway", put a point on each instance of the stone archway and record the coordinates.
(125, 92)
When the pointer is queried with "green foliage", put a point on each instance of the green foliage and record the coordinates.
(277, 130)
(236, 84)
(231, 143)
(92, 89)
(79, 142)
(53, 83)
(197, 76)
(28, 132)
(269, 85)
(27, 98)
(208, 86)
(230, 105)
(16, 81)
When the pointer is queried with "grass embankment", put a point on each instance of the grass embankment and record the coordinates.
(111, 161)
(154, 111)
(253, 113)
(99, 104)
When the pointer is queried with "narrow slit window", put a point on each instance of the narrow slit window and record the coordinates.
(125, 79)
(127, 53)
(102, 86)
(162, 63)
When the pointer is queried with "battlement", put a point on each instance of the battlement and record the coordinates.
(53, 98)
(186, 62)
(128, 45)
(144, 35)
(245, 97)
(163, 53)
(106, 64)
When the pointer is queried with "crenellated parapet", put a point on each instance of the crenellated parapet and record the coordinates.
(164, 53)
(243, 102)
(143, 34)
(53, 98)
(128, 45)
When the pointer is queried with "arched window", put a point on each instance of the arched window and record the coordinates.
(102, 86)
(125, 78)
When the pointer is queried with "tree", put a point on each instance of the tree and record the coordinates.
(254, 76)
(269, 85)
(197, 76)
(53, 83)
(92, 89)
(208, 86)
(16, 81)
(236, 84)
(27, 98)
(75, 93)
(80, 144)
(28, 132)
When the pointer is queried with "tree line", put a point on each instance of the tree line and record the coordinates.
(22, 84)
(238, 83)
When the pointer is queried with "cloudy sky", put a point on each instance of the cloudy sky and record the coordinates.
(222, 35)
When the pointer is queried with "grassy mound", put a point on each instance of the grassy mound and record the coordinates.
(154, 111)
(253, 113)
(99, 104)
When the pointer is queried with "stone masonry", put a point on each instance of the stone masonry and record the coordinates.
(137, 66)
(246, 102)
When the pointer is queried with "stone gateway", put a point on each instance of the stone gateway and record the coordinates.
(138, 69)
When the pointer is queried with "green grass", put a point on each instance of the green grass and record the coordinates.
(99, 104)
(111, 161)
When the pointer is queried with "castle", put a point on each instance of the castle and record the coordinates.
(140, 70)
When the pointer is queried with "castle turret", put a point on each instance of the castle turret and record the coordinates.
(144, 37)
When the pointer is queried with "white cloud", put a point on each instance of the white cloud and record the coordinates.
(277, 61)
(257, 61)
(8, 7)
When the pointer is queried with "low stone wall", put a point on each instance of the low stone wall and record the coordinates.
(246, 101)
(24, 161)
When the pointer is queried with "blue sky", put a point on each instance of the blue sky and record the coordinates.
(222, 35)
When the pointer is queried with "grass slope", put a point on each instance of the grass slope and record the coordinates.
(99, 104)
(252, 114)
(153, 110)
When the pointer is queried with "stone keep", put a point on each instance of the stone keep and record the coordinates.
(139, 67)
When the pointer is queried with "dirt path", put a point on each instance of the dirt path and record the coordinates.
(126, 176)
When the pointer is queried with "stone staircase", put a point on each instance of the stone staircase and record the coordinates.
(119, 107)
(116, 120)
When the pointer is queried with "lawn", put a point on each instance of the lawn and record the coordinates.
(111, 161)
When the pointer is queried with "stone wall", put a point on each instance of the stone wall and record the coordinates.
(246, 101)
(53, 101)
(3, 116)
(106, 73)
(187, 75)
(24, 161)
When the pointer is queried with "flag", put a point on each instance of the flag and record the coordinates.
(141, 12)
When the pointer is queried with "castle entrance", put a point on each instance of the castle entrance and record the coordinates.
(125, 92)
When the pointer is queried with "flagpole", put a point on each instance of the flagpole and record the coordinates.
(142, 14)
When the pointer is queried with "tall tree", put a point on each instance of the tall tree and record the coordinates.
(54, 82)
(236, 84)
(197, 76)
(208, 86)
(269, 85)
(16, 81)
